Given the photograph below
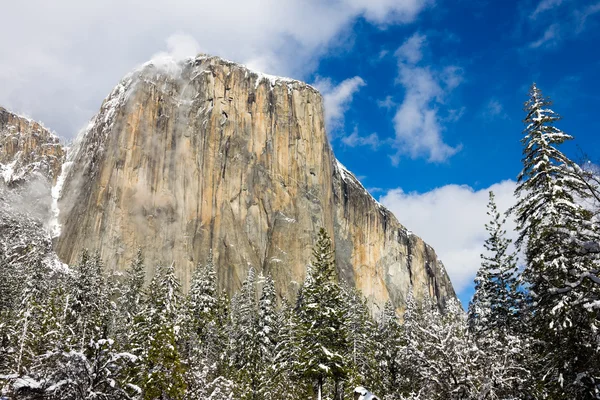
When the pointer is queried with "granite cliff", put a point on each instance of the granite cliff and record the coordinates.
(31, 158)
(207, 154)
(27, 148)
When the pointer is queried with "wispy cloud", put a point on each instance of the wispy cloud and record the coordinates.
(411, 51)
(560, 20)
(550, 38)
(417, 121)
(543, 6)
(337, 99)
(388, 103)
(494, 110)
(355, 140)
(455, 114)
(583, 15)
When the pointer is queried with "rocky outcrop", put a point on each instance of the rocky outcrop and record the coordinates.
(26, 149)
(207, 154)
(30, 162)
(379, 255)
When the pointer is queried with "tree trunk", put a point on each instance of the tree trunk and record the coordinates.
(319, 386)
(339, 391)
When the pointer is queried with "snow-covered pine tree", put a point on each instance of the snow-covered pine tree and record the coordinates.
(88, 301)
(591, 175)
(493, 317)
(10, 289)
(440, 350)
(63, 365)
(203, 297)
(9, 296)
(390, 353)
(130, 302)
(43, 339)
(206, 384)
(133, 285)
(161, 375)
(362, 346)
(245, 347)
(206, 337)
(285, 382)
(496, 301)
(267, 333)
(23, 329)
(561, 276)
(322, 337)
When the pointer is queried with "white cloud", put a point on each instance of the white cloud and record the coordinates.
(494, 109)
(582, 16)
(179, 46)
(386, 11)
(452, 219)
(550, 38)
(337, 99)
(455, 114)
(388, 103)
(354, 140)
(411, 51)
(545, 5)
(417, 123)
(60, 58)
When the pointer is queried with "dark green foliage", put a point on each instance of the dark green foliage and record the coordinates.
(162, 373)
(322, 335)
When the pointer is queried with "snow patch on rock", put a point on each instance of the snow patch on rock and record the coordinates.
(350, 179)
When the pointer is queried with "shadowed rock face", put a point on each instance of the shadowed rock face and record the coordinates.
(27, 148)
(208, 154)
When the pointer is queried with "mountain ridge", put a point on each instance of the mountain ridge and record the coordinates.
(252, 149)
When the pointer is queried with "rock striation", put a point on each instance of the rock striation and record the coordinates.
(184, 157)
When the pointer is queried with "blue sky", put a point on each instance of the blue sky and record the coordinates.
(423, 97)
(494, 54)
(498, 54)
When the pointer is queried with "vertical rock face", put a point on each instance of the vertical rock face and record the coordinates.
(379, 255)
(26, 148)
(206, 154)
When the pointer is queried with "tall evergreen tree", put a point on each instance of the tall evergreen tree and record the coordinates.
(361, 350)
(441, 353)
(323, 338)
(562, 278)
(158, 334)
(89, 301)
(496, 299)
(285, 381)
(245, 347)
(267, 320)
(28, 326)
(203, 297)
(389, 350)
(133, 285)
(206, 339)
